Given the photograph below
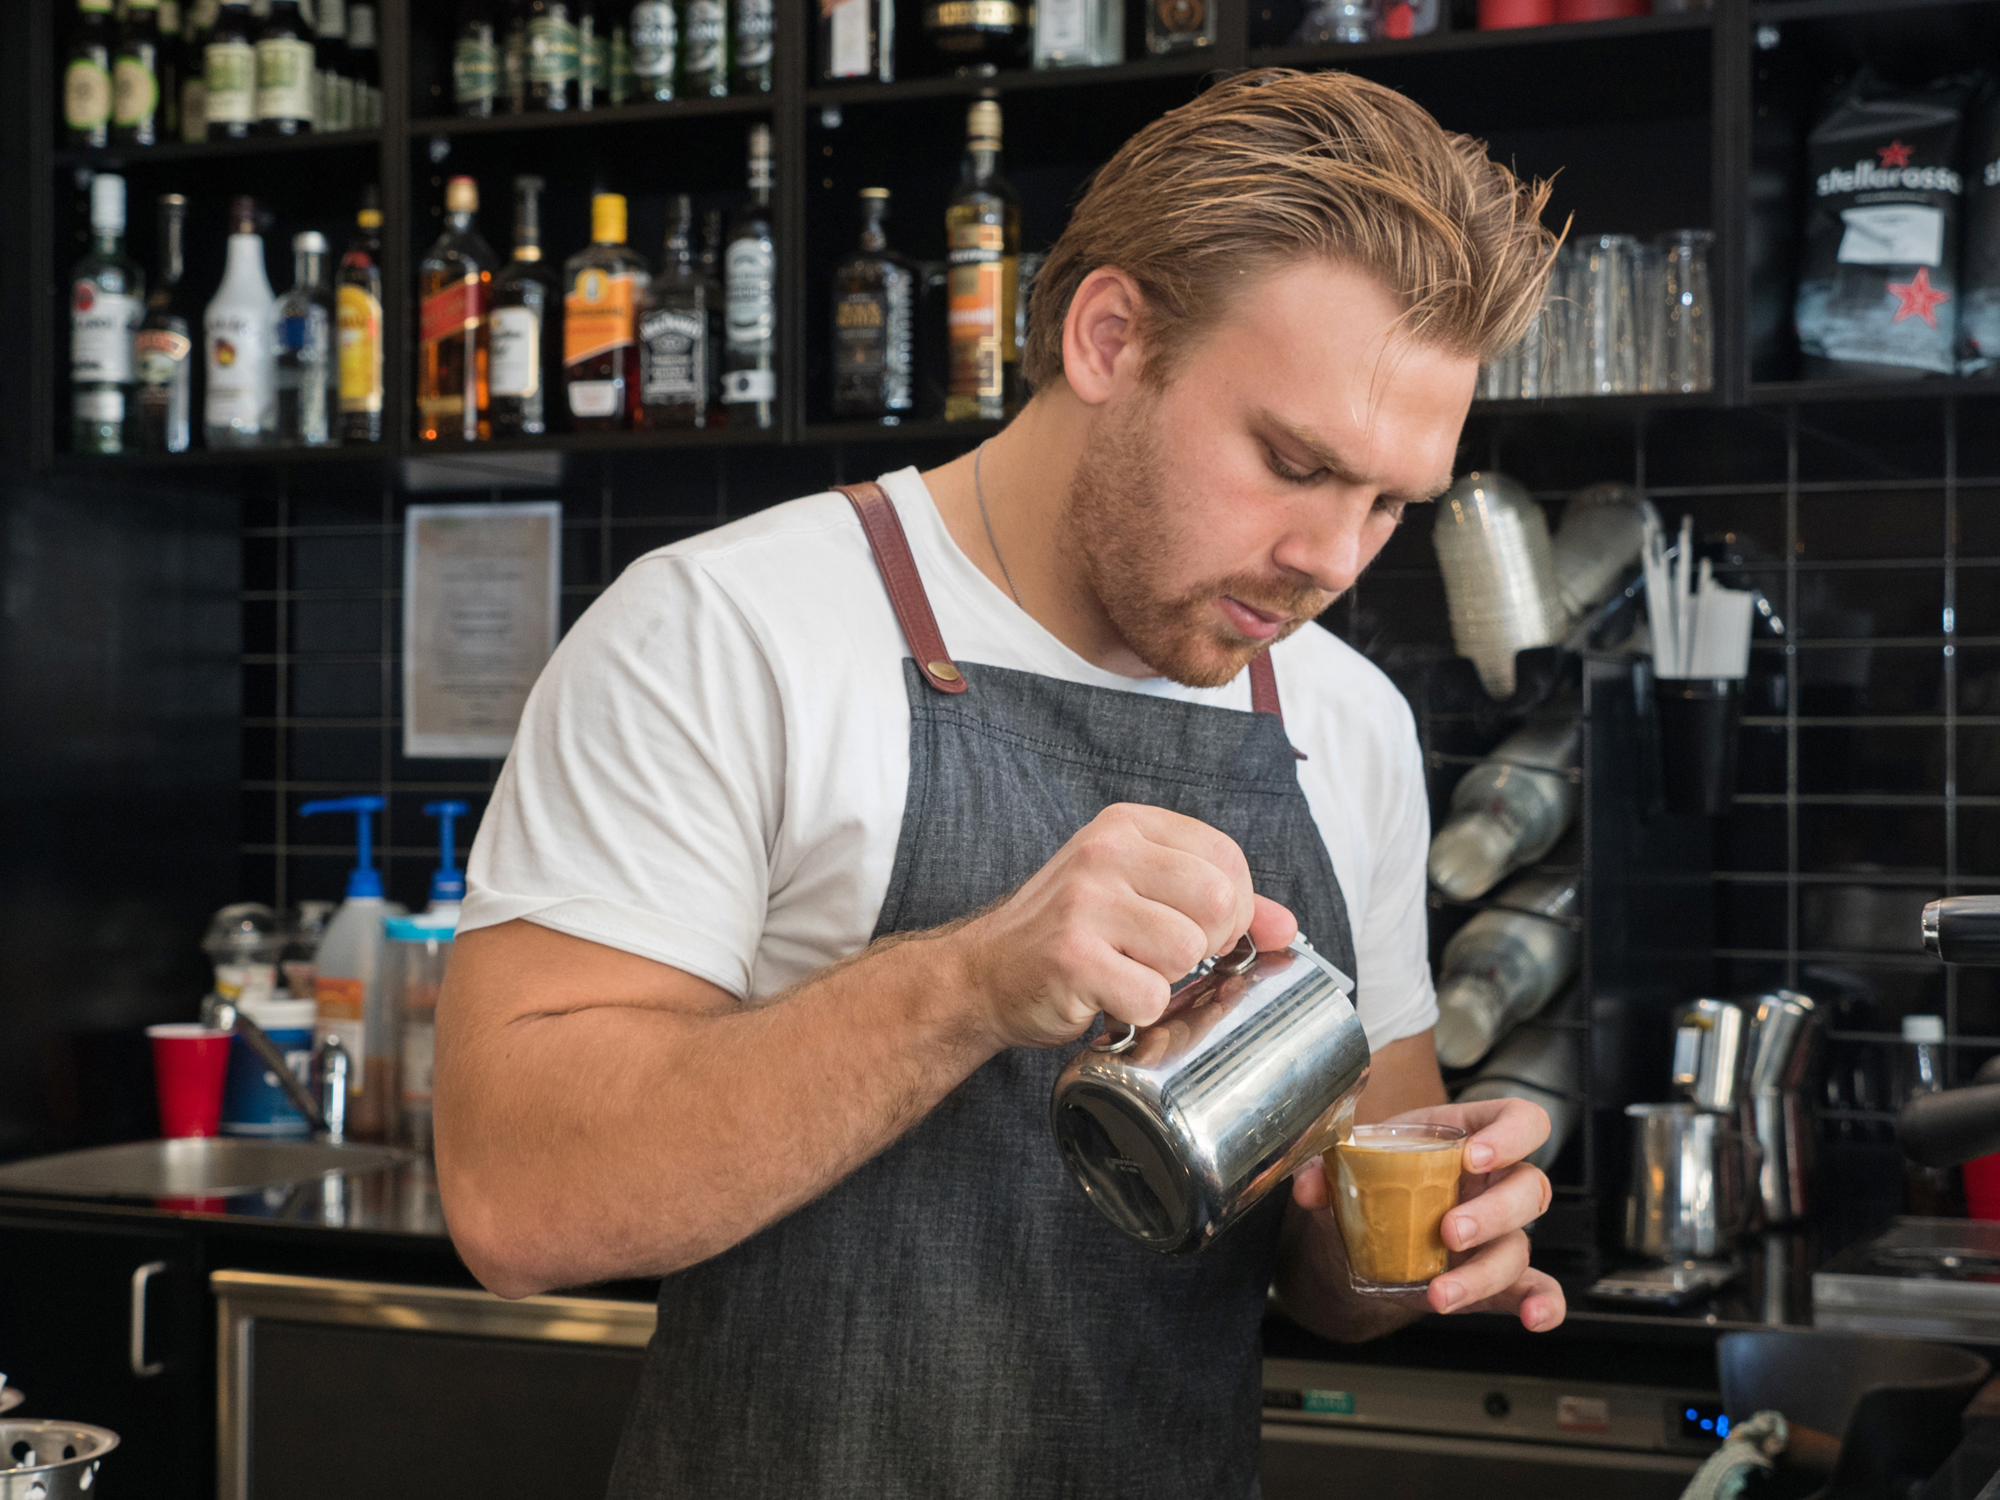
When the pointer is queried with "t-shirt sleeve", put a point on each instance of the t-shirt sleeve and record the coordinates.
(638, 806)
(1392, 942)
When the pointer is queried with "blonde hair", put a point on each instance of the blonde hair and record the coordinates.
(1270, 167)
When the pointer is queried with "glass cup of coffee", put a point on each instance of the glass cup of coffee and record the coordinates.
(1392, 1186)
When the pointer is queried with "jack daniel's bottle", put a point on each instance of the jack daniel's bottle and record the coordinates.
(674, 352)
(874, 323)
(979, 36)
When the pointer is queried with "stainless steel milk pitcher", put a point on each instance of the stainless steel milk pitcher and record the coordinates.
(1177, 1129)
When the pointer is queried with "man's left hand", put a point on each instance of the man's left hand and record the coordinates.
(1500, 1195)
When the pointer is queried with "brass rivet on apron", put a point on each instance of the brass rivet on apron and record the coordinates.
(944, 671)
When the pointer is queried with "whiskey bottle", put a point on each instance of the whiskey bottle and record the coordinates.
(475, 60)
(334, 103)
(983, 236)
(240, 403)
(590, 58)
(511, 35)
(302, 334)
(357, 317)
(87, 78)
(978, 36)
(753, 36)
(229, 72)
(750, 281)
(196, 28)
(167, 71)
(704, 36)
(602, 284)
(135, 77)
(874, 324)
(857, 41)
(164, 347)
(452, 285)
(620, 64)
(551, 55)
(655, 53)
(286, 65)
(1079, 33)
(674, 351)
(1179, 25)
(104, 304)
(518, 397)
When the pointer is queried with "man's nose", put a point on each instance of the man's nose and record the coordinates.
(1331, 545)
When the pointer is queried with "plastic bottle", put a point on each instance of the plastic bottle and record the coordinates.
(447, 881)
(1544, 1067)
(1509, 810)
(354, 1004)
(1934, 1192)
(1503, 966)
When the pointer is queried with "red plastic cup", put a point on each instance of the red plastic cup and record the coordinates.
(189, 1063)
(1982, 1187)
(1503, 15)
(1600, 10)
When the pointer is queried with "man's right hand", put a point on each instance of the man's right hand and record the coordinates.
(1132, 902)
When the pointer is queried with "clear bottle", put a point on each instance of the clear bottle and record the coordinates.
(364, 61)
(302, 331)
(196, 29)
(164, 348)
(655, 51)
(750, 282)
(453, 283)
(240, 405)
(874, 323)
(87, 78)
(1543, 1066)
(357, 317)
(135, 76)
(979, 36)
(602, 285)
(229, 71)
(1510, 809)
(674, 352)
(475, 60)
(753, 36)
(1502, 967)
(1179, 26)
(704, 38)
(983, 235)
(551, 55)
(1079, 33)
(1932, 1192)
(517, 384)
(857, 41)
(287, 65)
(334, 103)
(107, 292)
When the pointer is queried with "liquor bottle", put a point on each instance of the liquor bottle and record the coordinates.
(1504, 965)
(704, 38)
(1079, 33)
(229, 71)
(518, 389)
(286, 65)
(302, 333)
(1179, 25)
(357, 317)
(196, 29)
(750, 278)
(602, 284)
(164, 346)
(979, 36)
(87, 79)
(593, 45)
(475, 60)
(857, 40)
(754, 48)
(104, 302)
(364, 64)
(551, 58)
(710, 269)
(674, 351)
(874, 324)
(1510, 809)
(135, 77)
(655, 51)
(620, 64)
(240, 407)
(511, 34)
(983, 235)
(334, 101)
(452, 285)
(168, 71)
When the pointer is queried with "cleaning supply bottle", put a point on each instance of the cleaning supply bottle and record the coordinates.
(447, 881)
(354, 1004)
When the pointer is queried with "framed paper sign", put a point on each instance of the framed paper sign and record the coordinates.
(481, 585)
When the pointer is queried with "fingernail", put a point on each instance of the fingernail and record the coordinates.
(1451, 1293)
(1462, 1229)
(1479, 1158)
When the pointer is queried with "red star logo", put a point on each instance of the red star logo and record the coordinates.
(1917, 298)
(1895, 154)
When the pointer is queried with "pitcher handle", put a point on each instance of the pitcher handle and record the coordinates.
(1222, 966)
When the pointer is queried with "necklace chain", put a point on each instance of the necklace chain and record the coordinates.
(979, 489)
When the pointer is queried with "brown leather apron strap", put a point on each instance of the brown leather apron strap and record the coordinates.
(906, 587)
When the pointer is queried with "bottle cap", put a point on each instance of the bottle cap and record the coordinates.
(243, 216)
(876, 193)
(311, 240)
(107, 203)
(461, 195)
(1923, 1028)
(607, 218)
(982, 124)
(364, 880)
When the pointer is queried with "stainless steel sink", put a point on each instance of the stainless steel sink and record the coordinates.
(214, 1167)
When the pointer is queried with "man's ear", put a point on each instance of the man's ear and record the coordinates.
(1101, 344)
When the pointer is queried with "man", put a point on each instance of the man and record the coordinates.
(794, 898)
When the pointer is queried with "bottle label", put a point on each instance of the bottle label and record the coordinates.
(621, 66)
(342, 1011)
(229, 70)
(161, 355)
(739, 386)
(135, 91)
(1060, 27)
(86, 95)
(194, 108)
(331, 18)
(100, 338)
(358, 317)
(671, 340)
(284, 79)
(706, 40)
(597, 315)
(978, 313)
(361, 29)
(242, 387)
(850, 52)
(1177, 18)
(475, 70)
(551, 51)
(590, 49)
(100, 406)
(653, 40)
(754, 23)
(452, 311)
(980, 15)
(750, 268)
(514, 352)
(595, 398)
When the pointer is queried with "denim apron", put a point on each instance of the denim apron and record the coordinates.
(954, 1319)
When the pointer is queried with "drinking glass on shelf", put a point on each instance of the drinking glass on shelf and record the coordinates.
(1330, 21)
(1648, 285)
(1686, 313)
(1604, 333)
(1560, 372)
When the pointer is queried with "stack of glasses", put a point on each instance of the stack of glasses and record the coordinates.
(1621, 317)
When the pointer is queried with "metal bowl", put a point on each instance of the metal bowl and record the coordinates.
(51, 1460)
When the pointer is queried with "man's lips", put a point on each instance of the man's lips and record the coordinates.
(1257, 624)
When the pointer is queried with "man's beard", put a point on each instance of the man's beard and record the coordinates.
(1119, 521)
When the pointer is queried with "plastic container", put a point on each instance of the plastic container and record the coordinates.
(418, 950)
(254, 1103)
(1493, 548)
(1504, 966)
(243, 942)
(354, 1005)
(189, 1061)
(1510, 809)
(1701, 719)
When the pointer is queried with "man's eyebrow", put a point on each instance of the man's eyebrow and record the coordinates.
(1328, 458)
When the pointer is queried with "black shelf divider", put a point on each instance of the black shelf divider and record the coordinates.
(114, 158)
(624, 114)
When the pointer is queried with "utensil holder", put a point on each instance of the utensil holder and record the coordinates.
(1699, 722)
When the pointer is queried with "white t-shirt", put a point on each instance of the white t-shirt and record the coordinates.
(711, 770)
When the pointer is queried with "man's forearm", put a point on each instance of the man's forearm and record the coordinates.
(595, 1141)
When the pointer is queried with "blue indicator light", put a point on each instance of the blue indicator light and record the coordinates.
(1693, 1415)
(1706, 1425)
(1722, 1427)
